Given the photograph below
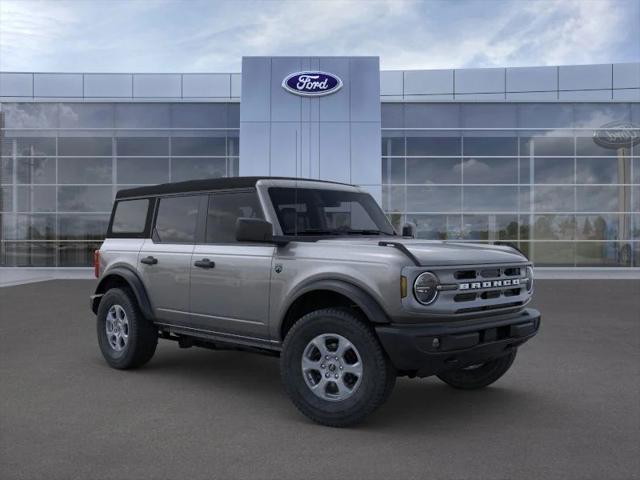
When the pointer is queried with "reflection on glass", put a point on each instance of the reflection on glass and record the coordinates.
(35, 146)
(553, 199)
(603, 254)
(554, 227)
(84, 170)
(140, 170)
(84, 146)
(86, 115)
(607, 198)
(35, 227)
(603, 227)
(587, 146)
(85, 199)
(142, 115)
(36, 170)
(31, 254)
(546, 146)
(553, 254)
(553, 170)
(437, 227)
(197, 168)
(490, 227)
(434, 170)
(6, 199)
(6, 170)
(393, 170)
(30, 115)
(142, 146)
(392, 145)
(393, 199)
(490, 146)
(76, 254)
(82, 227)
(490, 170)
(434, 199)
(199, 115)
(602, 170)
(36, 198)
(490, 199)
(198, 146)
(424, 146)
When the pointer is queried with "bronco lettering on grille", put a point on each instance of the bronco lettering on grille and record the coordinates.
(513, 282)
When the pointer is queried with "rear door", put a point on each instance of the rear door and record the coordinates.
(165, 259)
(230, 280)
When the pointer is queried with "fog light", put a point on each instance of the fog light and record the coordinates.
(435, 343)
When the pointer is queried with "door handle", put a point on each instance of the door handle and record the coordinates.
(149, 260)
(204, 263)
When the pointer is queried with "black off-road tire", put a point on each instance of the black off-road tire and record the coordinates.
(142, 334)
(481, 376)
(378, 378)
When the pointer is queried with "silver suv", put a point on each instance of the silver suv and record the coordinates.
(313, 272)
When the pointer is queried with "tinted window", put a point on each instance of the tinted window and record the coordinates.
(176, 221)
(224, 209)
(130, 216)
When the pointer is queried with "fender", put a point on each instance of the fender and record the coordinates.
(369, 306)
(133, 280)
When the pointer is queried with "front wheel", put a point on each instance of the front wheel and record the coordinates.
(479, 376)
(334, 369)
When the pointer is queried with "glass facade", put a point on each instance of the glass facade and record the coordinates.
(62, 164)
(528, 174)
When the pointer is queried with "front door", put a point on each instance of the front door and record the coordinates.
(230, 280)
(165, 260)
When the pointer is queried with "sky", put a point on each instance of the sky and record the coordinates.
(212, 36)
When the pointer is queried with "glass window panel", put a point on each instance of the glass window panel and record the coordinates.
(392, 115)
(32, 254)
(603, 199)
(233, 144)
(488, 146)
(196, 168)
(525, 170)
(393, 199)
(224, 209)
(233, 115)
(417, 146)
(144, 115)
(434, 170)
(603, 227)
(30, 115)
(36, 146)
(78, 254)
(547, 146)
(6, 169)
(525, 227)
(490, 227)
(392, 146)
(233, 169)
(603, 254)
(35, 227)
(84, 170)
(84, 146)
(537, 115)
(598, 114)
(437, 227)
(553, 254)
(554, 227)
(86, 115)
(6, 199)
(490, 199)
(553, 170)
(85, 199)
(587, 146)
(36, 170)
(524, 199)
(198, 146)
(490, 170)
(553, 199)
(425, 115)
(635, 227)
(393, 170)
(142, 170)
(176, 219)
(601, 170)
(142, 146)
(434, 199)
(36, 199)
(130, 216)
(83, 227)
(199, 115)
(636, 170)
(635, 204)
(493, 115)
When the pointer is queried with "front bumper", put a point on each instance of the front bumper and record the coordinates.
(430, 349)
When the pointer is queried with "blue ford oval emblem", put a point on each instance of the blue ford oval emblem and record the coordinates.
(617, 134)
(312, 84)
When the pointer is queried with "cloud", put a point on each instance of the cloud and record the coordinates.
(161, 36)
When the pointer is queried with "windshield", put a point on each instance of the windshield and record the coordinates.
(307, 211)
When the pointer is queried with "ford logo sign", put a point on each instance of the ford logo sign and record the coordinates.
(312, 84)
(617, 135)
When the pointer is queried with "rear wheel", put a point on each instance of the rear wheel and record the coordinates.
(334, 369)
(479, 376)
(126, 338)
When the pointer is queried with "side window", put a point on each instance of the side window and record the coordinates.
(225, 209)
(177, 218)
(130, 216)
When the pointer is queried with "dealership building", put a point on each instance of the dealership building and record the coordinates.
(546, 158)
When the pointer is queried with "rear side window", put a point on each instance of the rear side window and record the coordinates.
(224, 209)
(176, 219)
(130, 216)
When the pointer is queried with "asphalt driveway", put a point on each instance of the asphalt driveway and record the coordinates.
(568, 409)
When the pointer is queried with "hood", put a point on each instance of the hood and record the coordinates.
(436, 253)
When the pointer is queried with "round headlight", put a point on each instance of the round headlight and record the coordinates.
(425, 288)
(529, 279)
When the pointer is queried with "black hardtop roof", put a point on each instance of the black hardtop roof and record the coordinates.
(204, 185)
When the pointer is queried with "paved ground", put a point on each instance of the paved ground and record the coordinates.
(569, 408)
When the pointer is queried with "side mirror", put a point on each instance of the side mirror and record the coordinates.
(409, 230)
(253, 230)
